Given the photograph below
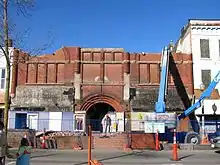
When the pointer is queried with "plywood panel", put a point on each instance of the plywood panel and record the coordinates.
(55, 121)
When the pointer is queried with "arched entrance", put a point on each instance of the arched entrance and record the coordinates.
(96, 113)
(97, 106)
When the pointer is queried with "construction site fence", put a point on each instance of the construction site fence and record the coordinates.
(72, 127)
(120, 125)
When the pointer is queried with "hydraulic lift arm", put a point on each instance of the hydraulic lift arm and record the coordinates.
(207, 93)
(160, 106)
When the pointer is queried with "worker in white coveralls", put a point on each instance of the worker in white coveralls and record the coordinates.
(106, 123)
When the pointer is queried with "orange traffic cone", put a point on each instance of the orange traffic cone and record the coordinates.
(205, 139)
(157, 141)
(77, 147)
(175, 148)
(43, 145)
(96, 162)
(127, 148)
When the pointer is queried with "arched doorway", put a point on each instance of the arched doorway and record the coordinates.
(96, 113)
(96, 107)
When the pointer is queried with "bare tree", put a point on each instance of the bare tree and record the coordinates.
(23, 7)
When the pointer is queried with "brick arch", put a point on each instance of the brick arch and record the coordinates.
(92, 100)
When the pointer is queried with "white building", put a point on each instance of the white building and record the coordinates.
(3, 76)
(201, 38)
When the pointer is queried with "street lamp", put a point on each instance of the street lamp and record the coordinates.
(202, 88)
(214, 108)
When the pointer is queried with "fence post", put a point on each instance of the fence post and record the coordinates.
(89, 144)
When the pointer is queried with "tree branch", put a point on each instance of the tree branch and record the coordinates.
(6, 57)
(23, 6)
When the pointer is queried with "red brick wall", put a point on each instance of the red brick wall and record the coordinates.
(48, 69)
(102, 67)
(145, 70)
(119, 141)
(102, 70)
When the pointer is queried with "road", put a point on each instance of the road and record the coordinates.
(115, 157)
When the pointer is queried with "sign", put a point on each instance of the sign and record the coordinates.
(210, 128)
(168, 118)
(151, 127)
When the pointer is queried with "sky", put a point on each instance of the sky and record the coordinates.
(135, 25)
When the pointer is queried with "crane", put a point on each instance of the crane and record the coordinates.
(160, 106)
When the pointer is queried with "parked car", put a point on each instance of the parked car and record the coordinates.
(215, 142)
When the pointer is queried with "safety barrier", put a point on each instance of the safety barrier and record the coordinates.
(137, 128)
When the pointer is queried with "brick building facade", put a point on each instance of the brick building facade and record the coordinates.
(80, 78)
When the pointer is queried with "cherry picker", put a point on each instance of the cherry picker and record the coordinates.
(160, 106)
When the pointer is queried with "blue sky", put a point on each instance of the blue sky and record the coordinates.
(135, 25)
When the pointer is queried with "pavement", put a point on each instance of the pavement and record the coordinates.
(117, 157)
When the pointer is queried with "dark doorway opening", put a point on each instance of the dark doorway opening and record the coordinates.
(96, 113)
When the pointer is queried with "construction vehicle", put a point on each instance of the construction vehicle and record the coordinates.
(160, 119)
(160, 106)
(194, 137)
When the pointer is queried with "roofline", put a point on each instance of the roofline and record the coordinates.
(206, 19)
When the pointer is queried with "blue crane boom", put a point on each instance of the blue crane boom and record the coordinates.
(160, 106)
(207, 93)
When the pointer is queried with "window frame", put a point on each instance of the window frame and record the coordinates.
(206, 84)
(203, 52)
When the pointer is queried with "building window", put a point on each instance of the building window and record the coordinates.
(204, 48)
(2, 74)
(206, 77)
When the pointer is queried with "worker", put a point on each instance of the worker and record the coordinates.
(3, 144)
(107, 122)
